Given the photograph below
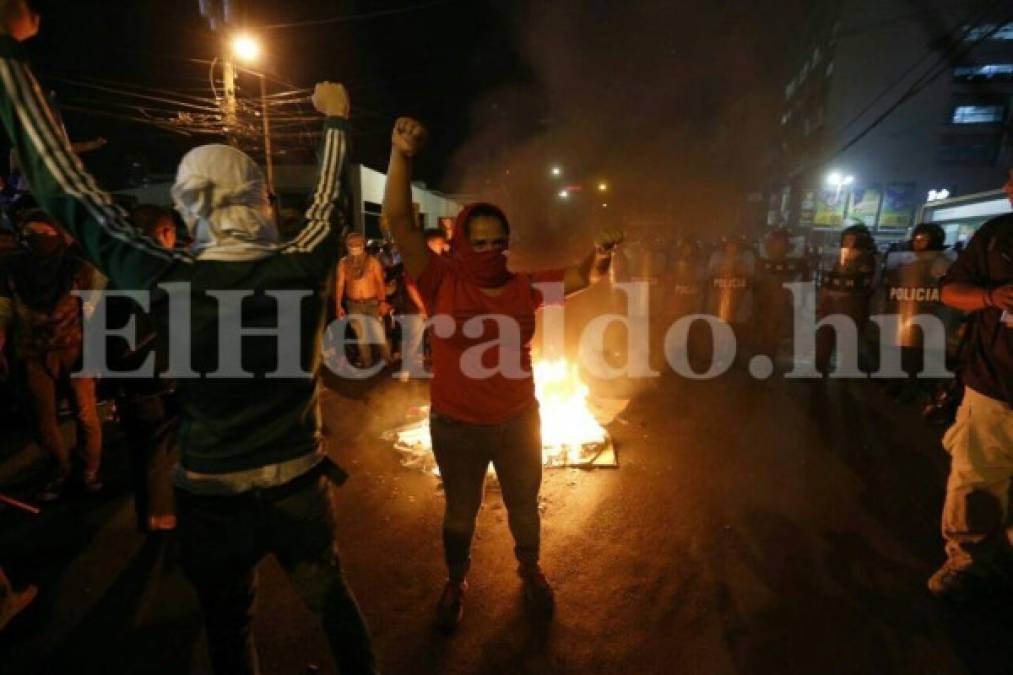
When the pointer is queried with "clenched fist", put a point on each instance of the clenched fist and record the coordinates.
(608, 240)
(409, 136)
(18, 20)
(1002, 297)
(331, 99)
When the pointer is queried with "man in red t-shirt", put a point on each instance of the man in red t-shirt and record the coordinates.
(483, 393)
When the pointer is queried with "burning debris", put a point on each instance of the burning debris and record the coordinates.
(573, 424)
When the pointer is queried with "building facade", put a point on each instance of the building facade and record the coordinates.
(893, 103)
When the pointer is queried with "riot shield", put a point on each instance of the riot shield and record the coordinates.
(731, 281)
(685, 287)
(910, 288)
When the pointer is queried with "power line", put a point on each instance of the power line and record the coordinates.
(915, 89)
(357, 17)
(968, 23)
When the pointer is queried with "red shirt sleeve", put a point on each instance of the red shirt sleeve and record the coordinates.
(432, 278)
(551, 296)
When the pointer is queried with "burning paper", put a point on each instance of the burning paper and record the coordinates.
(573, 434)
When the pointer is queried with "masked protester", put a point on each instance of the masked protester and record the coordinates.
(774, 303)
(492, 415)
(37, 300)
(361, 294)
(147, 410)
(846, 286)
(975, 515)
(251, 479)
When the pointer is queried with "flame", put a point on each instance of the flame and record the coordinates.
(567, 423)
(571, 436)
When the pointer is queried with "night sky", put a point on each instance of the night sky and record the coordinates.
(673, 103)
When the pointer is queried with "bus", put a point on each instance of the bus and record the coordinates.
(962, 216)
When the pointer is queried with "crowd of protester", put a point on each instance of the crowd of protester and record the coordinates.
(236, 467)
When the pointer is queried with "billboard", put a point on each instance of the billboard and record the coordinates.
(829, 211)
(863, 205)
(899, 204)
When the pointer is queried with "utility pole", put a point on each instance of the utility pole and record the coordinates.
(229, 105)
(219, 15)
(268, 159)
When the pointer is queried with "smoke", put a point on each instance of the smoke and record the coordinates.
(674, 105)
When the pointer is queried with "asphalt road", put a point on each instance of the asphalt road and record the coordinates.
(753, 527)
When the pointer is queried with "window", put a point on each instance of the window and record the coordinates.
(979, 32)
(958, 149)
(990, 71)
(371, 220)
(978, 114)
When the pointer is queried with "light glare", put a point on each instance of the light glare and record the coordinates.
(246, 48)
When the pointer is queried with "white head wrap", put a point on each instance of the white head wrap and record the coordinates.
(219, 192)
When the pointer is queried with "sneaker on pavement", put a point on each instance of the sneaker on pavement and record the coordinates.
(53, 490)
(537, 591)
(12, 604)
(451, 606)
(91, 483)
(958, 583)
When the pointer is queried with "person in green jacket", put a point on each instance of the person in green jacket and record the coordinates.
(241, 315)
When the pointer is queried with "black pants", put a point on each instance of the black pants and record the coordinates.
(224, 538)
(150, 429)
(463, 452)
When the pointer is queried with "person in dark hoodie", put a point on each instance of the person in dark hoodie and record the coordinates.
(37, 301)
(241, 314)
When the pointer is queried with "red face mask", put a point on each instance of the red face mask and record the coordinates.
(485, 269)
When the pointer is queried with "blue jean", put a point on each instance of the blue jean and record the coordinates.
(463, 452)
(224, 538)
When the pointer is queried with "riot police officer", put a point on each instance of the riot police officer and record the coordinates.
(910, 289)
(846, 286)
(778, 265)
(686, 278)
(686, 286)
(730, 296)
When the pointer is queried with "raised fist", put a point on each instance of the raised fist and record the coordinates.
(18, 20)
(409, 136)
(608, 240)
(331, 99)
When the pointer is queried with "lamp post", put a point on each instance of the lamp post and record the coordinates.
(248, 50)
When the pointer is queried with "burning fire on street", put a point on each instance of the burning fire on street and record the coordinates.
(573, 424)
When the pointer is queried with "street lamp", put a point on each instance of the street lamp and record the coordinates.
(602, 187)
(838, 181)
(564, 194)
(557, 171)
(246, 48)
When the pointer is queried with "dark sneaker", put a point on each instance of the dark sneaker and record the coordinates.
(958, 584)
(53, 490)
(537, 591)
(12, 604)
(91, 484)
(451, 606)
